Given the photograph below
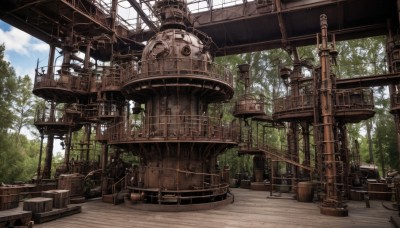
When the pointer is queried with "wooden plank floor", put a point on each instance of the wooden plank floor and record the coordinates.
(250, 209)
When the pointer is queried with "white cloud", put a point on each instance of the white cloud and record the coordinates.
(20, 42)
(41, 47)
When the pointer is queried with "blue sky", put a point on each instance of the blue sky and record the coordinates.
(22, 50)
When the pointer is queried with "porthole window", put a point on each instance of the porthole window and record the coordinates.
(186, 50)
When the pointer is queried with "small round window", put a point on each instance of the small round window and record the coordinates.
(186, 50)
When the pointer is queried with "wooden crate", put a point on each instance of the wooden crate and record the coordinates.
(60, 197)
(73, 183)
(379, 191)
(38, 205)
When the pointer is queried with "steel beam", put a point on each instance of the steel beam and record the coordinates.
(143, 15)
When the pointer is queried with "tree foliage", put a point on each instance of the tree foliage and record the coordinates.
(18, 155)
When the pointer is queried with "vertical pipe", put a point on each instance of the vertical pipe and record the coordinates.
(49, 146)
(50, 65)
(327, 112)
(40, 157)
(104, 157)
(306, 144)
(88, 133)
(68, 148)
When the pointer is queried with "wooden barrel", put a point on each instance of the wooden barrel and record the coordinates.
(60, 197)
(305, 191)
(38, 204)
(135, 197)
(9, 201)
(73, 183)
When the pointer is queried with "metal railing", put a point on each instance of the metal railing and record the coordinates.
(360, 98)
(249, 104)
(182, 67)
(112, 77)
(59, 116)
(66, 77)
(121, 183)
(189, 127)
(294, 103)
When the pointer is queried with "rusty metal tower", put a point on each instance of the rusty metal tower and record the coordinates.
(171, 128)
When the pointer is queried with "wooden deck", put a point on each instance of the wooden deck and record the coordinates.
(250, 209)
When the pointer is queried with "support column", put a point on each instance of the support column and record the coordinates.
(68, 149)
(332, 204)
(393, 51)
(40, 157)
(88, 133)
(104, 158)
(49, 147)
(306, 143)
(50, 66)
(293, 142)
(344, 154)
(258, 167)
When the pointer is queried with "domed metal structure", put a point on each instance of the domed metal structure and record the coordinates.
(177, 140)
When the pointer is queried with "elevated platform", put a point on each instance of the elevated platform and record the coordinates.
(210, 81)
(249, 105)
(14, 217)
(46, 20)
(60, 87)
(250, 208)
(351, 106)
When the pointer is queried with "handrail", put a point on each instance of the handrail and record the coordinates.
(249, 104)
(294, 103)
(174, 126)
(287, 160)
(181, 67)
(270, 150)
(344, 99)
(115, 184)
(354, 98)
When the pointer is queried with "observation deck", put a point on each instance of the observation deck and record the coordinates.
(249, 105)
(351, 106)
(210, 81)
(294, 107)
(59, 122)
(66, 85)
(354, 105)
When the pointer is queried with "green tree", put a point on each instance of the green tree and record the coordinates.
(23, 107)
(8, 87)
